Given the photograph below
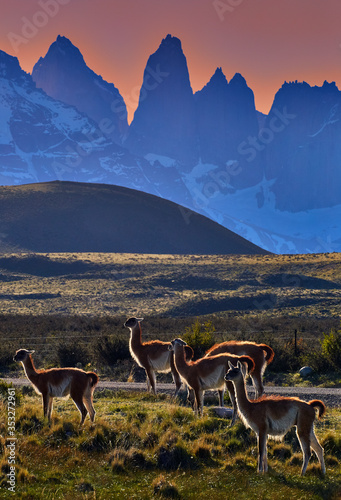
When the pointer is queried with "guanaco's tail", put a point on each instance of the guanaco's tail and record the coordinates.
(316, 403)
(249, 361)
(269, 352)
(94, 378)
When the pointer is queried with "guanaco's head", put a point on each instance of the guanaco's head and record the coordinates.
(22, 354)
(132, 322)
(176, 342)
(235, 371)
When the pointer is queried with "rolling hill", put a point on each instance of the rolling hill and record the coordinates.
(81, 217)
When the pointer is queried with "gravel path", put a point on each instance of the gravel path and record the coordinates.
(331, 397)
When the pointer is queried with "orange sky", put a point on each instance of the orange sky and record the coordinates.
(267, 41)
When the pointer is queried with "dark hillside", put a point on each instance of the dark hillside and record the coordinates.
(79, 217)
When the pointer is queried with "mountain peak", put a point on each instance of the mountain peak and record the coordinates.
(9, 66)
(64, 75)
(63, 39)
(238, 80)
(171, 42)
(330, 86)
(219, 76)
(164, 121)
(217, 82)
(63, 47)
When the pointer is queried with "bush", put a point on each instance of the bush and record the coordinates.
(281, 452)
(71, 354)
(326, 357)
(332, 445)
(286, 359)
(108, 350)
(6, 356)
(122, 460)
(163, 488)
(175, 457)
(331, 348)
(200, 337)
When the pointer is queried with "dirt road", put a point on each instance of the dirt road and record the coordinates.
(331, 397)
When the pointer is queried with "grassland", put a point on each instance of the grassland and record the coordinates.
(90, 284)
(144, 447)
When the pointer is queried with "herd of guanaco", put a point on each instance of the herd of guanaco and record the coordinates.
(225, 366)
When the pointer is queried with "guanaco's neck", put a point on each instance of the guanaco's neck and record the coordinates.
(243, 401)
(180, 360)
(136, 337)
(30, 371)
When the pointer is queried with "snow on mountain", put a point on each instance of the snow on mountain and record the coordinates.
(64, 75)
(226, 115)
(43, 139)
(275, 180)
(304, 156)
(252, 213)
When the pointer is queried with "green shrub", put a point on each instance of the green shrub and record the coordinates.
(29, 423)
(326, 356)
(175, 457)
(72, 354)
(287, 358)
(127, 459)
(99, 442)
(162, 488)
(200, 337)
(281, 452)
(7, 352)
(234, 444)
(331, 348)
(108, 350)
(332, 445)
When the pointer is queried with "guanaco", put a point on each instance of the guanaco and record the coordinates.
(153, 356)
(206, 373)
(60, 382)
(262, 355)
(274, 416)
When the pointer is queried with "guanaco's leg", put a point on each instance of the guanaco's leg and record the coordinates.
(304, 439)
(151, 381)
(175, 374)
(262, 452)
(191, 397)
(87, 399)
(314, 443)
(199, 398)
(49, 408)
(90, 408)
(46, 402)
(221, 393)
(78, 400)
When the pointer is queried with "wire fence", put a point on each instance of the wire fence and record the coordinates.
(293, 336)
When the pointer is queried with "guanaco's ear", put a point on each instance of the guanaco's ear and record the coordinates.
(30, 351)
(230, 365)
(140, 319)
(242, 367)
